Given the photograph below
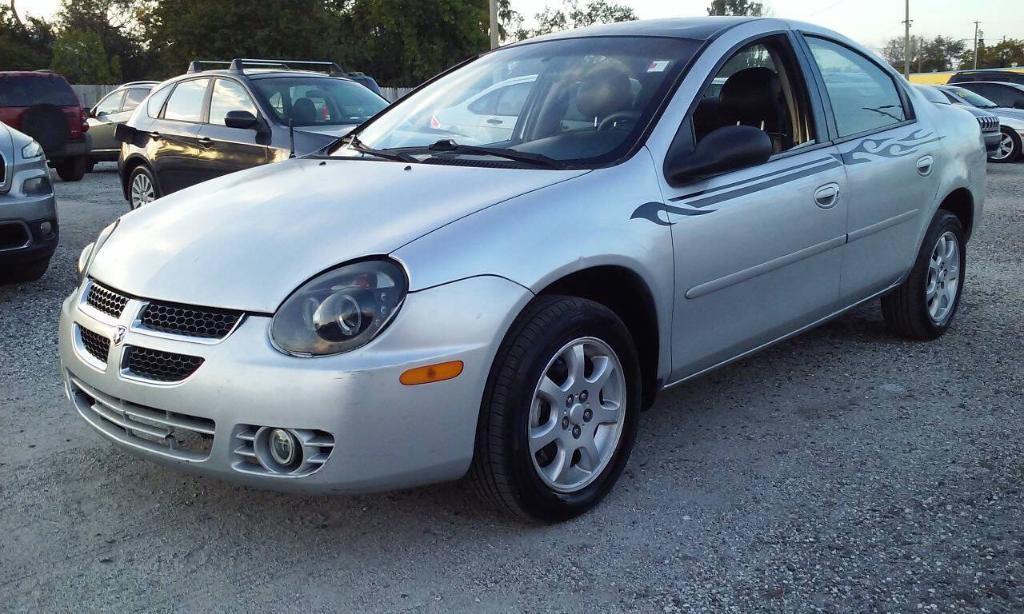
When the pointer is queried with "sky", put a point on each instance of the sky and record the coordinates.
(871, 22)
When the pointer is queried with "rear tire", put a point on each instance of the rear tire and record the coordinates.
(1009, 147)
(30, 271)
(72, 169)
(142, 188)
(589, 432)
(923, 306)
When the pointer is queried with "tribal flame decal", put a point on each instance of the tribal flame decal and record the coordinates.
(651, 211)
(889, 148)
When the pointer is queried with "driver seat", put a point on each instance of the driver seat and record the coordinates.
(753, 97)
(603, 93)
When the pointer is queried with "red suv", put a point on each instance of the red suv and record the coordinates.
(42, 105)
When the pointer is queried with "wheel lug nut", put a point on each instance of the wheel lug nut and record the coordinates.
(576, 432)
(565, 423)
(587, 415)
(568, 401)
(583, 396)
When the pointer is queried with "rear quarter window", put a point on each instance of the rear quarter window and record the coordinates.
(156, 101)
(27, 91)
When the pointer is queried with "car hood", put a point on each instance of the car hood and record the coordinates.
(1013, 114)
(247, 240)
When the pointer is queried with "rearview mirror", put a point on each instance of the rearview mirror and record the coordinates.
(240, 119)
(722, 150)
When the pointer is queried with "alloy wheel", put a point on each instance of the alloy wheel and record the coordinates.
(142, 190)
(1005, 148)
(943, 278)
(577, 415)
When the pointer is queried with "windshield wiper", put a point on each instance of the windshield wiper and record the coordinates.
(354, 142)
(450, 146)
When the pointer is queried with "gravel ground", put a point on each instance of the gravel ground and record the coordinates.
(842, 470)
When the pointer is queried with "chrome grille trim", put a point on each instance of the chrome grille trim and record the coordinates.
(152, 429)
(188, 321)
(151, 365)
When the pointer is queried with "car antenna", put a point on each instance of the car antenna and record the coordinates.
(291, 139)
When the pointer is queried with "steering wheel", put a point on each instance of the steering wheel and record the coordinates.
(609, 122)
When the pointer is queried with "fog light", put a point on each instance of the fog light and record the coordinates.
(36, 186)
(46, 229)
(283, 448)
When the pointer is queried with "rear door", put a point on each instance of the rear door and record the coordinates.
(174, 137)
(890, 158)
(225, 150)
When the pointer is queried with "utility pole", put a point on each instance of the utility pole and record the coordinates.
(906, 42)
(494, 23)
(976, 23)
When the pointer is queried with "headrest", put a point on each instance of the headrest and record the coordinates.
(603, 92)
(304, 112)
(750, 93)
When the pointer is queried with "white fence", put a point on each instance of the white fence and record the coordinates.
(91, 94)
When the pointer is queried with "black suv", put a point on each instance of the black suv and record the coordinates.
(998, 75)
(207, 123)
(1006, 95)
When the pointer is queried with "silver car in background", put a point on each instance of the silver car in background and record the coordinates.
(113, 109)
(28, 212)
(1011, 121)
(412, 307)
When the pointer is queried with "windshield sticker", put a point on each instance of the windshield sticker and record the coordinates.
(658, 65)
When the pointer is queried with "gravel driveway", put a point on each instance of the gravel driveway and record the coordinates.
(842, 470)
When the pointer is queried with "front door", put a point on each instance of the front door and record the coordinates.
(758, 251)
(174, 147)
(223, 149)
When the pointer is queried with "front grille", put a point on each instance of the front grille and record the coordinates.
(3, 171)
(108, 301)
(165, 432)
(159, 366)
(95, 343)
(189, 320)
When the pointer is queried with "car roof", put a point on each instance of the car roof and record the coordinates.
(1013, 85)
(260, 73)
(693, 28)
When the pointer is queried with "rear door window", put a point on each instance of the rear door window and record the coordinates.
(156, 101)
(864, 97)
(186, 102)
(134, 96)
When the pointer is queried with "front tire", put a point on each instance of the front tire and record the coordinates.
(923, 306)
(559, 414)
(72, 169)
(1009, 148)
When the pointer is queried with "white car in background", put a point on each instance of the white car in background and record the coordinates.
(489, 116)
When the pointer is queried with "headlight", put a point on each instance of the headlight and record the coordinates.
(32, 150)
(83, 258)
(339, 310)
(89, 252)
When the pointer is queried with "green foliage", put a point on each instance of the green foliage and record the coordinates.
(736, 7)
(24, 45)
(943, 53)
(79, 55)
(1003, 54)
(573, 15)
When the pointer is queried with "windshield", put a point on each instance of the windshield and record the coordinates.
(580, 102)
(975, 100)
(318, 101)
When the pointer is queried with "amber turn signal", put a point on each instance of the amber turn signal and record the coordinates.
(432, 373)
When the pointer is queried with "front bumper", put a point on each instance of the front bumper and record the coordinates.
(991, 141)
(28, 221)
(383, 435)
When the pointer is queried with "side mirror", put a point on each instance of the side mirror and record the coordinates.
(90, 112)
(722, 150)
(240, 119)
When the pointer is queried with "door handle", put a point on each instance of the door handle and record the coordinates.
(924, 165)
(495, 122)
(206, 142)
(155, 136)
(827, 195)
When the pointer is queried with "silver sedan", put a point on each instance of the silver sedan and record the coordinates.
(420, 303)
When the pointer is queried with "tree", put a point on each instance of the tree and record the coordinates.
(736, 7)
(572, 15)
(79, 55)
(1003, 54)
(940, 53)
(24, 45)
(110, 31)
